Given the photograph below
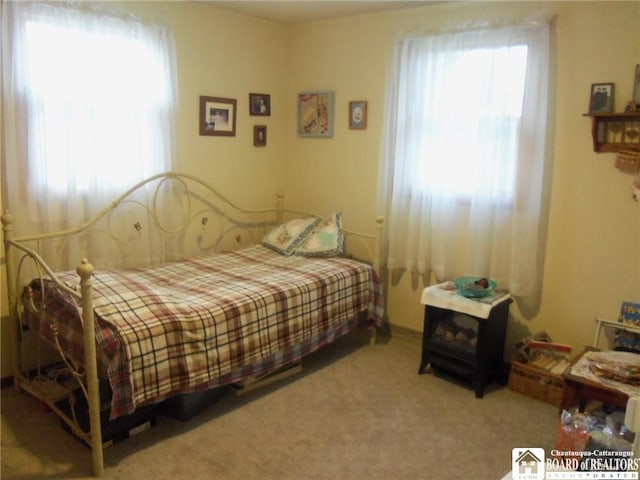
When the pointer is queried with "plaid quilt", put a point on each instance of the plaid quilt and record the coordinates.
(202, 322)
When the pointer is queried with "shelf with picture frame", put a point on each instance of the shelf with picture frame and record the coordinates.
(615, 132)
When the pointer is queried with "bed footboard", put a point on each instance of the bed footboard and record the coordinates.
(46, 391)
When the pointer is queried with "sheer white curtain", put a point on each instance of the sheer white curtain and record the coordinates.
(88, 101)
(463, 159)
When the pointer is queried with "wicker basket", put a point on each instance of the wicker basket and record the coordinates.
(536, 383)
(628, 161)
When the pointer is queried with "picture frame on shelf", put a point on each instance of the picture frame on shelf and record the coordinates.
(358, 115)
(259, 104)
(259, 135)
(601, 98)
(218, 116)
(315, 113)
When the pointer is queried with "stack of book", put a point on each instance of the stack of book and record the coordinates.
(549, 356)
(542, 352)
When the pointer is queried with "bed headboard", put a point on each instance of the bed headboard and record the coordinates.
(167, 217)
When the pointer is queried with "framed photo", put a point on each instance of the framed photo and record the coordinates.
(218, 116)
(259, 104)
(358, 115)
(315, 114)
(259, 135)
(636, 87)
(601, 99)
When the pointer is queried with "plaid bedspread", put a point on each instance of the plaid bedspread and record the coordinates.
(194, 324)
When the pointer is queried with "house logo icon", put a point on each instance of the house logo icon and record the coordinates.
(527, 464)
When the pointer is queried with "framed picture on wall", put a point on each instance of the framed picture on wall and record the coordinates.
(601, 100)
(259, 135)
(259, 104)
(315, 113)
(358, 115)
(218, 116)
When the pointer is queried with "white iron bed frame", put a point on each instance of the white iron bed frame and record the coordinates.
(202, 201)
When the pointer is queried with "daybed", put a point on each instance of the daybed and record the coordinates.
(229, 294)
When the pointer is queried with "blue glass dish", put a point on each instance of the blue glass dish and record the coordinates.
(467, 287)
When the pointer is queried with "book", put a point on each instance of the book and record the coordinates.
(550, 348)
(630, 313)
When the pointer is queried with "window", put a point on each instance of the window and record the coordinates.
(480, 101)
(462, 172)
(96, 99)
(88, 108)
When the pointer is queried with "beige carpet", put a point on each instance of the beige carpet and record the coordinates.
(355, 412)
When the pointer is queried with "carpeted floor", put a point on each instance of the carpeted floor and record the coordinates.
(354, 412)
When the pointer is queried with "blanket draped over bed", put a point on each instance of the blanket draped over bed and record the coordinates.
(210, 320)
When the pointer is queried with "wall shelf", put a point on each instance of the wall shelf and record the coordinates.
(613, 132)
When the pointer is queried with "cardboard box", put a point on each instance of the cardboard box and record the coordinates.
(537, 383)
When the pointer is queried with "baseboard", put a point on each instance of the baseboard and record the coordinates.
(405, 331)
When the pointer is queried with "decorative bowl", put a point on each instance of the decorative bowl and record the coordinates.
(467, 287)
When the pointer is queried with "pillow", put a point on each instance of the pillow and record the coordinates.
(286, 237)
(326, 239)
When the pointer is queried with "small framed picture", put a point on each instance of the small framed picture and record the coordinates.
(358, 115)
(259, 104)
(601, 100)
(636, 87)
(259, 135)
(218, 116)
(315, 114)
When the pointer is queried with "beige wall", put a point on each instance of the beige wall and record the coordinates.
(222, 54)
(593, 254)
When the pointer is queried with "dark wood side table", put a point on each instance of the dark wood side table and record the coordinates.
(578, 390)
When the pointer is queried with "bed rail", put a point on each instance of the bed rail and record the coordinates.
(206, 220)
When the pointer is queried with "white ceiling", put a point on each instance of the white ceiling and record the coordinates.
(299, 11)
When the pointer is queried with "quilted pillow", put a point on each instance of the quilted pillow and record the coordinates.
(286, 237)
(326, 239)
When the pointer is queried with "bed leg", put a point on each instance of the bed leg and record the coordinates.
(373, 335)
(85, 270)
(377, 266)
(14, 329)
